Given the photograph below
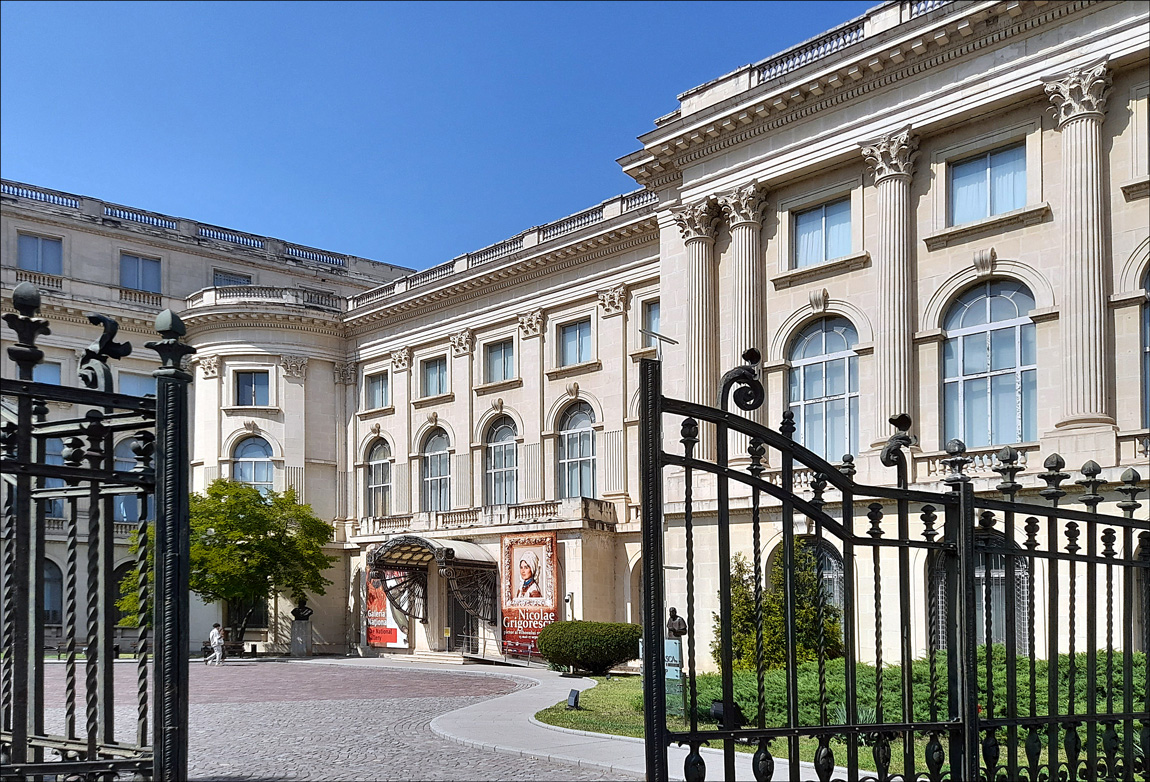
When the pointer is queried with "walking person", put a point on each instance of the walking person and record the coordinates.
(216, 640)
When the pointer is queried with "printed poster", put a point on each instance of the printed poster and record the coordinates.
(529, 588)
(386, 624)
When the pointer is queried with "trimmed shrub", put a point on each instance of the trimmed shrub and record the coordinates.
(596, 647)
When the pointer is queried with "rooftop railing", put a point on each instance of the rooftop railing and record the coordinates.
(146, 218)
(300, 297)
(39, 194)
(792, 59)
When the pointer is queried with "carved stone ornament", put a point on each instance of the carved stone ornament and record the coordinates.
(744, 205)
(698, 221)
(819, 300)
(1080, 93)
(401, 359)
(613, 300)
(344, 373)
(462, 343)
(433, 418)
(294, 366)
(984, 261)
(251, 426)
(892, 155)
(531, 324)
(210, 366)
(573, 390)
(376, 428)
(497, 405)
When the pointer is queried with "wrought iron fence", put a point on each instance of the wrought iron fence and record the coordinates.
(1029, 636)
(82, 481)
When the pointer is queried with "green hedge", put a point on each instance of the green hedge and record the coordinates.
(596, 647)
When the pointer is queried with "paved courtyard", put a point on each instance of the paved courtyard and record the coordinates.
(271, 720)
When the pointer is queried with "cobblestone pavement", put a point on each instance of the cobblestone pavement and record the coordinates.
(297, 721)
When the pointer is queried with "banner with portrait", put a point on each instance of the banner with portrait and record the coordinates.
(529, 589)
(386, 624)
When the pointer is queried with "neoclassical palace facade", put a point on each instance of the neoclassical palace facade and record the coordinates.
(938, 208)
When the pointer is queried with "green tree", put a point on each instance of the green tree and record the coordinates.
(246, 546)
(808, 592)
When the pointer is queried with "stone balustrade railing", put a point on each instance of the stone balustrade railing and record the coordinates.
(299, 297)
(823, 46)
(929, 466)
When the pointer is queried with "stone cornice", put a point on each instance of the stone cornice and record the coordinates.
(198, 320)
(769, 106)
(59, 312)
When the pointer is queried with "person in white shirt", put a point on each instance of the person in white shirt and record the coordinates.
(216, 640)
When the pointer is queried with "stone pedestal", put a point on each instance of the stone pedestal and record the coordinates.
(301, 638)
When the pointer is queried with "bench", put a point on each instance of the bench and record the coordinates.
(61, 649)
(231, 649)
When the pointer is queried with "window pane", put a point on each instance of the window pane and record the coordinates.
(975, 413)
(974, 353)
(129, 272)
(48, 372)
(838, 229)
(230, 278)
(1029, 409)
(951, 412)
(836, 428)
(137, 385)
(795, 393)
(28, 252)
(968, 191)
(813, 381)
(51, 256)
(1028, 358)
(950, 358)
(1008, 180)
(650, 321)
(854, 411)
(1002, 349)
(245, 382)
(813, 428)
(836, 377)
(853, 363)
(809, 238)
(570, 344)
(585, 341)
(1003, 414)
(260, 380)
(150, 275)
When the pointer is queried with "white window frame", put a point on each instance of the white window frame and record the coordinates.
(800, 407)
(40, 253)
(216, 284)
(383, 376)
(424, 393)
(435, 475)
(485, 357)
(646, 341)
(565, 438)
(237, 462)
(140, 262)
(560, 329)
(812, 199)
(251, 366)
(493, 473)
(379, 475)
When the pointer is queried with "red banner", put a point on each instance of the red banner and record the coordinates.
(529, 588)
(384, 626)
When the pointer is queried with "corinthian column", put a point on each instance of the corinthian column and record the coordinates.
(744, 208)
(891, 159)
(697, 223)
(1080, 102)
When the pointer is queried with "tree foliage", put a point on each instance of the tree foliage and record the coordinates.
(246, 546)
(808, 591)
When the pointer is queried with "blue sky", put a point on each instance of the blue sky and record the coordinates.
(404, 132)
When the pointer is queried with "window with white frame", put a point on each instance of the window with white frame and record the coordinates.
(378, 499)
(53, 454)
(251, 388)
(40, 254)
(990, 184)
(824, 387)
(499, 359)
(989, 366)
(1146, 355)
(436, 494)
(434, 371)
(221, 279)
(823, 233)
(501, 464)
(46, 372)
(575, 343)
(252, 463)
(53, 592)
(139, 274)
(137, 385)
(126, 507)
(577, 452)
(650, 322)
(375, 391)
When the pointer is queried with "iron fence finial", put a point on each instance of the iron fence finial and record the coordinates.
(26, 300)
(1053, 477)
(750, 393)
(957, 462)
(1130, 488)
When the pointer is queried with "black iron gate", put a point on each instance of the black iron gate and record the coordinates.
(997, 705)
(65, 473)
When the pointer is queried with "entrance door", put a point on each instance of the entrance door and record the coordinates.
(464, 628)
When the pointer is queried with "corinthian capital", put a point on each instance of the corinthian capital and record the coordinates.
(892, 155)
(744, 205)
(698, 221)
(1080, 93)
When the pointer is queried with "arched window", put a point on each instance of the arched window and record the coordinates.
(824, 388)
(127, 506)
(989, 574)
(501, 474)
(1146, 354)
(436, 471)
(53, 593)
(252, 463)
(577, 452)
(989, 370)
(118, 576)
(378, 499)
(831, 562)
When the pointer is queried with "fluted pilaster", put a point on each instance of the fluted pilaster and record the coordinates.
(697, 223)
(1079, 100)
(743, 209)
(891, 159)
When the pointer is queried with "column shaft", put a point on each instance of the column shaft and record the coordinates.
(749, 315)
(893, 328)
(702, 333)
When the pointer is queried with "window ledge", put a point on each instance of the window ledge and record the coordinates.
(642, 353)
(1136, 188)
(375, 411)
(574, 369)
(438, 399)
(250, 409)
(820, 270)
(1028, 215)
(498, 385)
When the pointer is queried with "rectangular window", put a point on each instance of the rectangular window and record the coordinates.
(40, 254)
(823, 233)
(252, 389)
(990, 184)
(140, 274)
(575, 343)
(223, 278)
(650, 322)
(435, 376)
(500, 361)
(376, 391)
(47, 372)
(137, 385)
